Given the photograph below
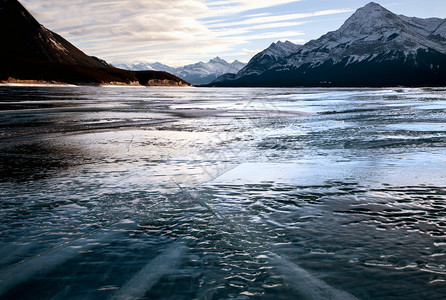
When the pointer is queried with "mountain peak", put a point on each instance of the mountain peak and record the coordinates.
(368, 20)
(284, 43)
(371, 10)
(217, 60)
(281, 48)
(373, 5)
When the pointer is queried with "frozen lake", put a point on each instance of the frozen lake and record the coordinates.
(200, 193)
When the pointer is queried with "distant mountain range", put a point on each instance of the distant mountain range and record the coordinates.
(374, 47)
(197, 74)
(30, 52)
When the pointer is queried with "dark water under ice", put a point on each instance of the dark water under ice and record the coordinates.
(185, 193)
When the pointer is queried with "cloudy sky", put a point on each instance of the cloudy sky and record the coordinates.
(178, 32)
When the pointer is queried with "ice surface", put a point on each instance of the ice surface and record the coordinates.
(149, 275)
(306, 285)
(349, 196)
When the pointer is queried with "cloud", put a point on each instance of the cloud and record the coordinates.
(231, 7)
(276, 25)
(169, 31)
(286, 17)
(251, 52)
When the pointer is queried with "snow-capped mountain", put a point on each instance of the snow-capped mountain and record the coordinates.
(198, 73)
(146, 67)
(374, 47)
(271, 55)
(203, 73)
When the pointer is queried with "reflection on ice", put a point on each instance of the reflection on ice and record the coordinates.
(46, 261)
(409, 171)
(305, 285)
(149, 275)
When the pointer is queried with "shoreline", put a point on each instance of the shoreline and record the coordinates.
(151, 83)
(169, 83)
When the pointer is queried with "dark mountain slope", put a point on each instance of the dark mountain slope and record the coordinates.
(29, 51)
(24, 37)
